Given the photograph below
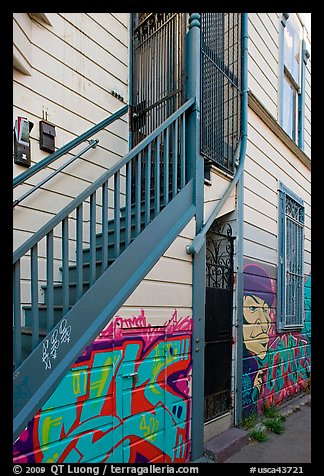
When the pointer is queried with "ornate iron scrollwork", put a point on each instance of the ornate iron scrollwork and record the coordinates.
(294, 210)
(216, 404)
(219, 256)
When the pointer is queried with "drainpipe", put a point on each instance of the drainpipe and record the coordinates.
(301, 97)
(199, 241)
(195, 171)
(240, 227)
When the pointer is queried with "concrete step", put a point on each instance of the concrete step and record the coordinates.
(226, 444)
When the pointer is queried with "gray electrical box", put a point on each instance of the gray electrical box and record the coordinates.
(47, 136)
(22, 142)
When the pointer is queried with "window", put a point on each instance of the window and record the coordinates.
(293, 61)
(291, 73)
(290, 292)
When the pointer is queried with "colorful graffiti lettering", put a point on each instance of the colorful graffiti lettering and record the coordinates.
(126, 399)
(275, 366)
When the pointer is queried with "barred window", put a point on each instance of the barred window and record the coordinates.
(220, 88)
(291, 260)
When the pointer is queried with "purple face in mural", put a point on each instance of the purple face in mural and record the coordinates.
(257, 301)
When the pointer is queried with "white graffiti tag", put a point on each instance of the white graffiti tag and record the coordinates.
(50, 346)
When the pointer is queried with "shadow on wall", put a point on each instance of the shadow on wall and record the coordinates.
(275, 365)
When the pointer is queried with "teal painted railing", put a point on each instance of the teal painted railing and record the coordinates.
(92, 144)
(155, 169)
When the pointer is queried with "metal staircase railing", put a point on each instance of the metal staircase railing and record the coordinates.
(129, 197)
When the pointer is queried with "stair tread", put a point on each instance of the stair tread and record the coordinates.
(87, 264)
(72, 284)
(27, 330)
(43, 306)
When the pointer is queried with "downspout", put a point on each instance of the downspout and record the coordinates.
(195, 171)
(199, 240)
(240, 229)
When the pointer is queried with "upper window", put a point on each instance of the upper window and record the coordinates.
(291, 260)
(291, 77)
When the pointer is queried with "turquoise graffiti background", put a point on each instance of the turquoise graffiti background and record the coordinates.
(286, 369)
(99, 413)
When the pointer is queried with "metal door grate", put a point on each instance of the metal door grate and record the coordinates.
(220, 87)
(158, 66)
(218, 323)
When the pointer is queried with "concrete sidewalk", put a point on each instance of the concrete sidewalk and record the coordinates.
(291, 446)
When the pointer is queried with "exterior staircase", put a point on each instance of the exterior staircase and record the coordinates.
(50, 335)
(73, 271)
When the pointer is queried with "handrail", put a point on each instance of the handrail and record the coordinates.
(69, 146)
(92, 144)
(36, 237)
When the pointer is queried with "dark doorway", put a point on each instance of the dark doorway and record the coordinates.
(218, 320)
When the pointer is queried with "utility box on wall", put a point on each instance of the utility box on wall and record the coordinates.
(22, 142)
(47, 136)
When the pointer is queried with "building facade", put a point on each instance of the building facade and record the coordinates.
(201, 184)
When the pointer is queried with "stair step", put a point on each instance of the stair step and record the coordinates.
(72, 274)
(86, 270)
(42, 315)
(111, 251)
(224, 445)
(26, 340)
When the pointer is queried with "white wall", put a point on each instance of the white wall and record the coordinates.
(267, 161)
(74, 64)
(264, 67)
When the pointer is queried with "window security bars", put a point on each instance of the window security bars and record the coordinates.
(220, 88)
(158, 69)
(291, 261)
(294, 262)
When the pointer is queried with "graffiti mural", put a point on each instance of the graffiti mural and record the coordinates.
(127, 399)
(275, 365)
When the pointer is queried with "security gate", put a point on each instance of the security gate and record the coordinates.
(157, 90)
(218, 320)
(158, 70)
(220, 88)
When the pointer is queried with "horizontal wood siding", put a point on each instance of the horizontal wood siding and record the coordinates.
(264, 59)
(77, 62)
(269, 160)
(169, 283)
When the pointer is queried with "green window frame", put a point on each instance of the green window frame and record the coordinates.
(293, 61)
(290, 286)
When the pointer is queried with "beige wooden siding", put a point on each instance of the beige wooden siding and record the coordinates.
(22, 26)
(76, 63)
(267, 161)
(263, 59)
(168, 285)
(214, 192)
